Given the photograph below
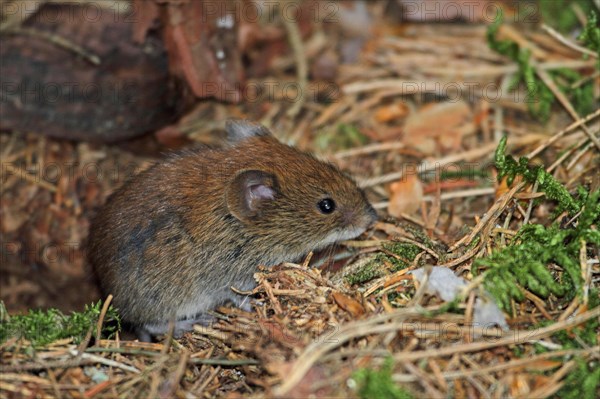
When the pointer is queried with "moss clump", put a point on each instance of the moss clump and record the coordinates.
(379, 383)
(590, 37)
(405, 252)
(560, 14)
(368, 272)
(539, 97)
(524, 262)
(581, 383)
(510, 168)
(42, 327)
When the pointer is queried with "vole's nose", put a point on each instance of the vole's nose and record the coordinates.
(348, 217)
(364, 218)
(371, 215)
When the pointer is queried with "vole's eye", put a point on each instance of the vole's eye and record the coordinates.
(326, 205)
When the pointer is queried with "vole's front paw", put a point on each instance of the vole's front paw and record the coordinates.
(183, 326)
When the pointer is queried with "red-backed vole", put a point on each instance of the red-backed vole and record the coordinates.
(171, 243)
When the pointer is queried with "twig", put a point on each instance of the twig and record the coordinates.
(332, 110)
(84, 342)
(425, 380)
(476, 192)
(530, 206)
(54, 383)
(101, 386)
(155, 374)
(426, 166)
(562, 158)
(106, 362)
(548, 81)
(212, 375)
(491, 215)
(561, 133)
(515, 338)
(423, 285)
(567, 42)
(26, 176)
(550, 387)
(102, 315)
(573, 161)
(316, 350)
(570, 309)
(272, 297)
(295, 39)
(83, 360)
(215, 361)
(178, 374)
(586, 271)
(408, 86)
(452, 375)
(124, 351)
(369, 149)
(388, 282)
(538, 302)
(224, 362)
(585, 79)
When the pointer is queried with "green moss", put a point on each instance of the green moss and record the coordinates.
(594, 298)
(539, 97)
(524, 262)
(379, 383)
(581, 383)
(405, 251)
(368, 272)
(560, 14)
(508, 167)
(590, 37)
(393, 295)
(582, 97)
(375, 268)
(43, 327)
(421, 237)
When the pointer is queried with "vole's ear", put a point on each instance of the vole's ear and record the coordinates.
(249, 192)
(240, 129)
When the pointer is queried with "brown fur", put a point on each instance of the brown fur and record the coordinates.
(167, 244)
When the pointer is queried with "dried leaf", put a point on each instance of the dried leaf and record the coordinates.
(406, 196)
(502, 187)
(391, 112)
(350, 305)
(447, 122)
